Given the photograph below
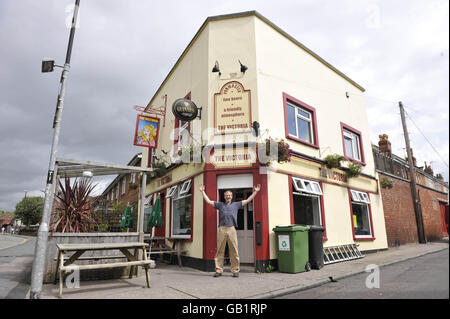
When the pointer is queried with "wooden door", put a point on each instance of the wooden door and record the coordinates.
(444, 218)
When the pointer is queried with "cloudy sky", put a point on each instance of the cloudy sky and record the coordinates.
(123, 50)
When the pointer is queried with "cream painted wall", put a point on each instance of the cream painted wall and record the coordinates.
(195, 248)
(183, 172)
(231, 40)
(337, 215)
(188, 76)
(285, 67)
(279, 208)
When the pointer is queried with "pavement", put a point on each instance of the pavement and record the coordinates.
(174, 282)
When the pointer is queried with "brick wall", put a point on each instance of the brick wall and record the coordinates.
(130, 196)
(431, 213)
(401, 226)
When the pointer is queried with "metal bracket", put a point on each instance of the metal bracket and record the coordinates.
(161, 111)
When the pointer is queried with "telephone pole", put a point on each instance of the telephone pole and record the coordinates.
(412, 173)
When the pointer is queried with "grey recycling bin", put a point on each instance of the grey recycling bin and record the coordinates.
(315, 238)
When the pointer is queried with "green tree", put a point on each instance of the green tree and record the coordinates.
(29, 210)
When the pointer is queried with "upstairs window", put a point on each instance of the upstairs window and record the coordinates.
(352, 144)
(300, 121)
(124, 185)
(181, 132)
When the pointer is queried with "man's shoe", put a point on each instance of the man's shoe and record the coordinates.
(217, 274)
(236, 274)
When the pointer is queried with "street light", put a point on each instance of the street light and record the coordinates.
(48, 65)
(37, 274)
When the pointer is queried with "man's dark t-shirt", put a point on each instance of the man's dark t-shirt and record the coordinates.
(228, 213)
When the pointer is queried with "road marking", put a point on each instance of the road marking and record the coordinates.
(23, 242)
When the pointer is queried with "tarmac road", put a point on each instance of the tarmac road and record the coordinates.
(16, 260)
(425, 277)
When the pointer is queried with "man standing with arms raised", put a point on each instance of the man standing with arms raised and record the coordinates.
(227, 228)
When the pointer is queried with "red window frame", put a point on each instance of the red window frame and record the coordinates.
(287, 98)
(355, 238)
(322, 205)
(361, 148)
(191, 238)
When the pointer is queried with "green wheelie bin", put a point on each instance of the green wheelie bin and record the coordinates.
(292, 244)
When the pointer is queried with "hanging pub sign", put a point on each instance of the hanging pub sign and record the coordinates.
(147, 131)
(232, 109)
(185, 110)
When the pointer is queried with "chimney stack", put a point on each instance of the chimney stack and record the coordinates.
(428, 169)
(385, 145)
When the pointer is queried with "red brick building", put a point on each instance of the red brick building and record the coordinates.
(401, 225)
(124, 189)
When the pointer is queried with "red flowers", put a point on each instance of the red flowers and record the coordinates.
(277, 150)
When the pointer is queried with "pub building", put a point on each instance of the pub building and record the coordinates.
(247, 81)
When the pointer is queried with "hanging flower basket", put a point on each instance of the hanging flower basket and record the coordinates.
(334, 160)
(190, 149)
(159, 169)
(283, 152)
(354, 170)
(386, 182)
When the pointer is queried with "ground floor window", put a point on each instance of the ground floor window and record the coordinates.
(361, 214)
(181, 210)
(306, 201)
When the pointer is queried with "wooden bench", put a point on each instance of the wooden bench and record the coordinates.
(65, 263)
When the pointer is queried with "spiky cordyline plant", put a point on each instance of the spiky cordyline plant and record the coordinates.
(72, 211)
